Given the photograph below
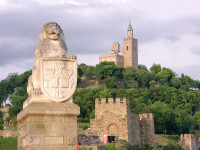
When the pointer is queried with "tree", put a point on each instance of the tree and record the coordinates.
(85, 98)
(152, 83)
(5, 89)
(129, 75)
(1, 120)
(142, 67)
(23, 79)
(176, 82)
(17, 99)
(143, 78)
(155, 68)
(183, 122)
(164, 117)
(165, 76)
(89, 72)
(187, 82)
(104, 69)
(196, 120)
(13, 79)
(105, 93)
(111, 82)
(81, 69)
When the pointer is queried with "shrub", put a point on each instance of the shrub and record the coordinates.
(84, 120)
(85, 148)
(1, 115)
(84, 127)
(111, 146)
(172, 147)
(174, 137)
(1, 124)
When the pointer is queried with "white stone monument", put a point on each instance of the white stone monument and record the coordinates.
(49, 116)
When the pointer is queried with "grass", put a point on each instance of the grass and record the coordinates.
(81, 124)
(167, 139)
(89, 84)
(9, 143)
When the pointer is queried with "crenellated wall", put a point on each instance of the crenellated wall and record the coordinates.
(111, 118)
(114, 118)
(111, 105)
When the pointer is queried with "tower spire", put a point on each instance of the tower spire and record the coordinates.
(129, 26)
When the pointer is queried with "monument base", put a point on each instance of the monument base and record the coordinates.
(48, 126)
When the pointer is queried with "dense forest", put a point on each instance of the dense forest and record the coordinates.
(174, 100)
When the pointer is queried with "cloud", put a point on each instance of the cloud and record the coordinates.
(175, 55)
(195, 50)
(15, 49)
(20, 67)
(167, 32)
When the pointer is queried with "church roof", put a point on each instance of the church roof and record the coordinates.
(115, 42)
(109, 54)
(130, 27)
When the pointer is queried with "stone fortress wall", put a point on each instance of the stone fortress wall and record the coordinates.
(147, 128)
(7, 133)
(5, 109)
(114, 118)
(110, 118)
(188, 142)
(117, 59)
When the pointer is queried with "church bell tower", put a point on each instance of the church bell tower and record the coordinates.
(130, 49)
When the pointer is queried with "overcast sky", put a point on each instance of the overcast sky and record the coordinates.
(168, 31)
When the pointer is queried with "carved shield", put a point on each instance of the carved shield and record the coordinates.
(58, 78)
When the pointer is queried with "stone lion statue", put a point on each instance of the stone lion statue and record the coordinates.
(51, 44)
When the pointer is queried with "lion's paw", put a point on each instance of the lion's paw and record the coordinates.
(71, 56)
(37, 91)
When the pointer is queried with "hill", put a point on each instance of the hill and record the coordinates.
(174, 101)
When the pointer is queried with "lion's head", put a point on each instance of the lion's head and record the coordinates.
(52, 31)
(51, 40)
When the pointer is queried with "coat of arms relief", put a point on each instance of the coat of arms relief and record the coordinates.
(58, 78)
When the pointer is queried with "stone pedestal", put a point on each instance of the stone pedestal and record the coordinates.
(48, 126)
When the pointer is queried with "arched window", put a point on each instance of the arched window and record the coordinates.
(126, 47)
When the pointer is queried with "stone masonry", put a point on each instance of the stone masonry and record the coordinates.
(188, 142)
(8, 133)
(147, 128)
(129, 56)
(116, 58)
(50, 126)
(114, 118)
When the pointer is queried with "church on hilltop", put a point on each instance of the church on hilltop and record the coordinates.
(129, 56)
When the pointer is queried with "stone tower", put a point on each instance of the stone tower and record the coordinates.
(116, 47)
(115, 121)
(130, 49)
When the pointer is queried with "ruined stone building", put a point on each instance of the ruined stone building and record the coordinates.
(188, 142)
(129, 56)
(114, 121)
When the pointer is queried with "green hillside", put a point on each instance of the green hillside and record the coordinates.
(174, 100)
